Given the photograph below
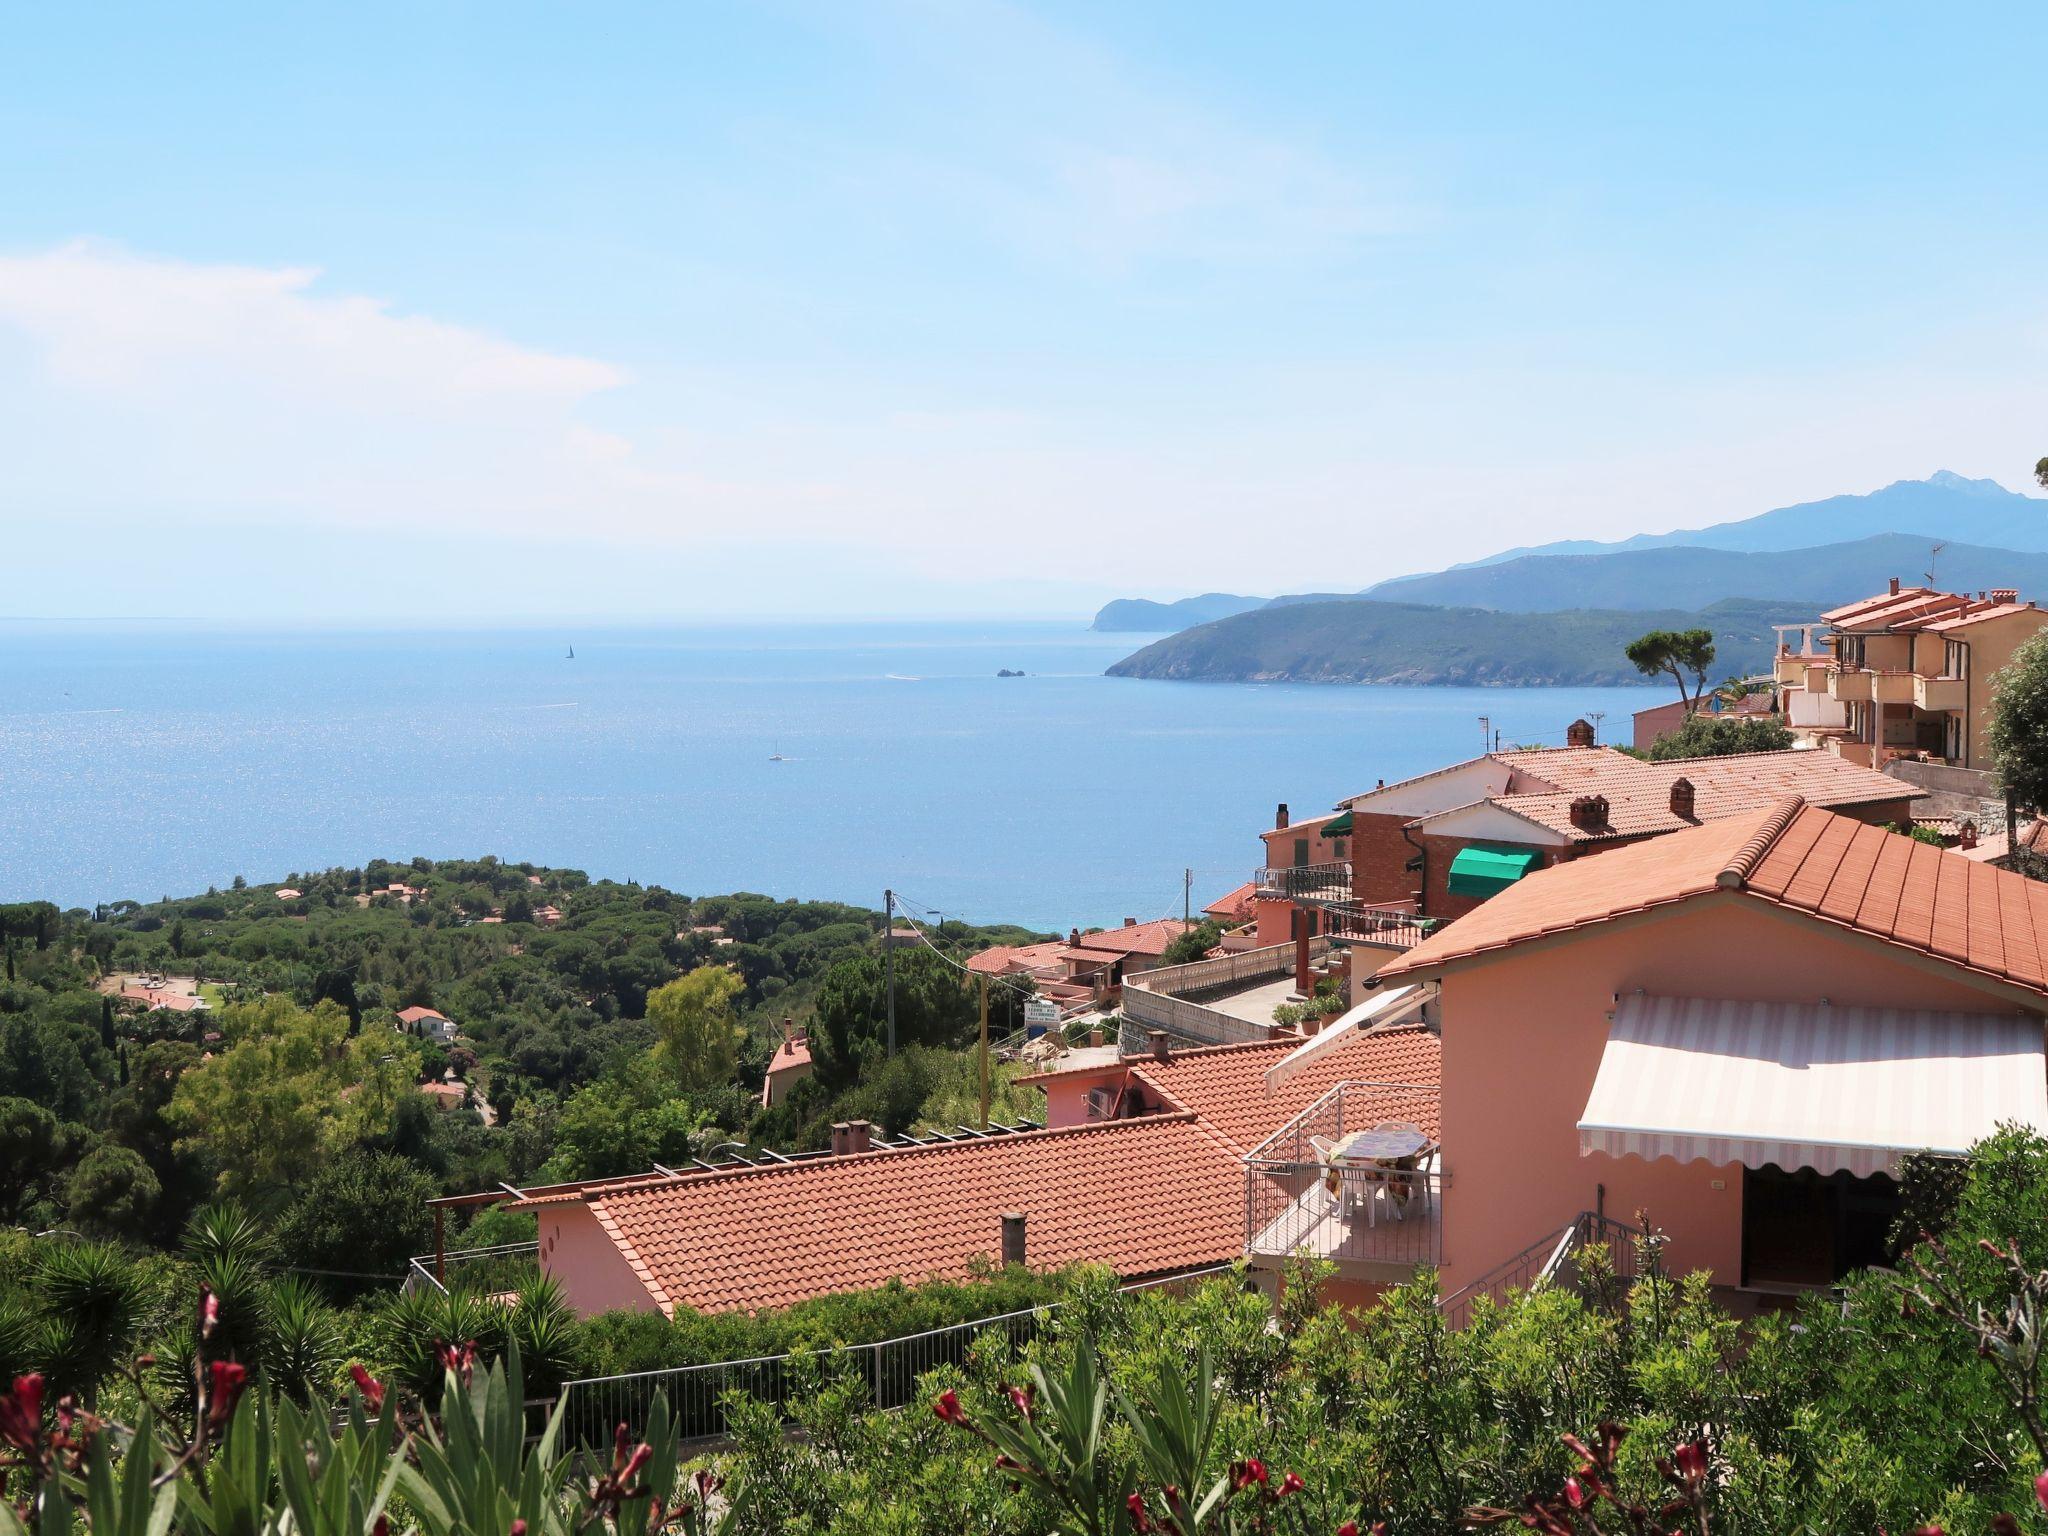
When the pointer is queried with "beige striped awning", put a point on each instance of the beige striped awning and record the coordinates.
(1808, 1085)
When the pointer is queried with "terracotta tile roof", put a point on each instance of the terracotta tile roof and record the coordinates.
(1991, 844)
(1236, 906)
(791, 1053)
(1870, 604)
(1000, 959)
(1136, 938)
(160, 997)
(1146, 1197)
(1226, 1085)
(1639, 793)
(415, 1015)
(1989, 921)
(1983, 612)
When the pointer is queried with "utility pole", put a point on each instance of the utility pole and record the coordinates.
(889, 961)
(1485, 733)
(1187, 895)
(984, 1052)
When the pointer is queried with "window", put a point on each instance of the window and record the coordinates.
(1300, 852)
(1338, 847)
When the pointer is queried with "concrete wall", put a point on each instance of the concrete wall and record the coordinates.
(595, 1276)
(1522, 1040)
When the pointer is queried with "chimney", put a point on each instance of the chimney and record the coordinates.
(1013, 1238)
(1682, 798)
(1966, 835)
(1161, 1051)
(2005, 594)
(1073, 938)
(1589, 812)
(1130, 922)
(1579, 734)
(1895, 586)
(1280, 818)
(859, 1135)
(1095, 1036)
(842, 1133)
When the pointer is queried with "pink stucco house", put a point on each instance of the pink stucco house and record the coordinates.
(1738, 1030)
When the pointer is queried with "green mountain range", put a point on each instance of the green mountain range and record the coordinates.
(1358, 640)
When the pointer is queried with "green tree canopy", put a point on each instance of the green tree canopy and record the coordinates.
(364, 1211)
(288, 1086)
(934, 1006)
(1721, 736)
(2018, 731)
(1682, 653)
(700, 1041)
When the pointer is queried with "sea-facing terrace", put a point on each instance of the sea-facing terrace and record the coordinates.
(1354, 1179)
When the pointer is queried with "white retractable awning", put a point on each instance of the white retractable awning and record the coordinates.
(1808, 1085)
(1381, 1009)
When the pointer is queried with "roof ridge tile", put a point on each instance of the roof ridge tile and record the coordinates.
(1735, 873)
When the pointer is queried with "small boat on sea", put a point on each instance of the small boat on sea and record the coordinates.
(572, 654)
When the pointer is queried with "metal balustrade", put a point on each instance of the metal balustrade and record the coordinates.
(887, 1372)
(1304, 882)
(1297, 1204)
(1550, 1260)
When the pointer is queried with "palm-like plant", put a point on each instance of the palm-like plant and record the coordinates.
(545, 1333)
(93, 1298)
(302, 1345)
(224, 1230)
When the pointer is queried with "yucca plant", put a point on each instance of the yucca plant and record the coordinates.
(223, 1230)
(93, 1299)
(474, 1471)
(301, 1343)
(545, 1332)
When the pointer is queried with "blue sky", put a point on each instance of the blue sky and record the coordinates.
(486, 311)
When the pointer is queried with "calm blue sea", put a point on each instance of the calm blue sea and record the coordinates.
(141, 760)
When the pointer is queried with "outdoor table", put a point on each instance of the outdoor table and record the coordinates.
(1386, 1147)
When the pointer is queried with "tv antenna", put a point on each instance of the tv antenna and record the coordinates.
(1596, 716)
(1933, 555)
(1485, 733)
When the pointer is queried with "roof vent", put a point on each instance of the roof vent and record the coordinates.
(1895, 586)
(1161, 1051)
(1589, 812)
(1579, 734)
(1682, 799)
(2005, 594)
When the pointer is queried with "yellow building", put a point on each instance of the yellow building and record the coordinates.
(1906, 673)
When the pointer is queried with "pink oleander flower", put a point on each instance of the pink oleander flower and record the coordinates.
(707, 1484)
(21, 1413)
(1022, 1398)
(227, 1379)
(209, 1313)
(370, 1388)
(947, 1407)
(1244, 1473)
(1141, 1520)
(2041, 1490)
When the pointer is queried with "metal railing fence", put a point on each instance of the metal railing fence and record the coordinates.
(888, 1370)
(1305, 882)
(1551, 1259)
(501, 1269)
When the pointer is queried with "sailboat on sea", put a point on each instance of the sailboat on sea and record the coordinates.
(572, 654)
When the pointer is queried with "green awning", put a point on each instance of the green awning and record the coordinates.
(1338, 826)
(1483, 871)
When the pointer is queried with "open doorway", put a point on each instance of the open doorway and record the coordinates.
(1804, 1228)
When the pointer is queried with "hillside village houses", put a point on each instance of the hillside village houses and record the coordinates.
(1723, 993)
(1903, 674)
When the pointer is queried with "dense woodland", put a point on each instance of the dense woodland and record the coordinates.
(632, 1029)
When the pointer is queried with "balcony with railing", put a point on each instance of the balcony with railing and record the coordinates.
(1303, 1197)
(1316, 883)
(503, 1271)
(1395, 926)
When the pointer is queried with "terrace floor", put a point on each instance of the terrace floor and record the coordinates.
(1311, 1224)
(1254, 1004)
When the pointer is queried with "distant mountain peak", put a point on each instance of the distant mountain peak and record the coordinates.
(1949, 480)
